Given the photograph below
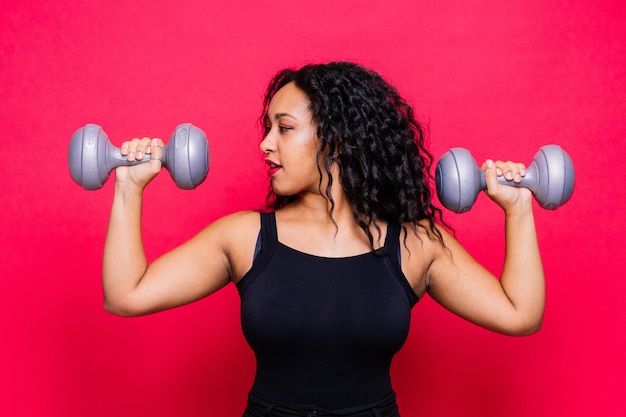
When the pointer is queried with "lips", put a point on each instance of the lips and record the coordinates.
(273, 167)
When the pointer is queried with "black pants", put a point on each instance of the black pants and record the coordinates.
(259, 406)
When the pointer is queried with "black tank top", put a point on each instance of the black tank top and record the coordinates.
(324, 330)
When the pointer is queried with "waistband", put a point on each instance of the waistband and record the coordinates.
(259, 406)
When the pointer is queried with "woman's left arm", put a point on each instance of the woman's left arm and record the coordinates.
(514, 303)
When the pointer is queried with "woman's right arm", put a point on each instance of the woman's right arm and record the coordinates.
(197, 268)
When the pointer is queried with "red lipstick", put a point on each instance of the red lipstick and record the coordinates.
(273, 167)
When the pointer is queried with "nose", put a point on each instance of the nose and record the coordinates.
(267, 145)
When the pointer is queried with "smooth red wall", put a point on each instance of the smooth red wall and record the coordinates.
(500, 78)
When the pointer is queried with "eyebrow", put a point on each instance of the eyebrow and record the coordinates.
(280, 115)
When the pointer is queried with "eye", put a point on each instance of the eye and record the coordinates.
(283, 128)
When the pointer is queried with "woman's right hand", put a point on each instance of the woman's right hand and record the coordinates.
(141, 174)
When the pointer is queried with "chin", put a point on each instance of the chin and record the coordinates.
(281, 192)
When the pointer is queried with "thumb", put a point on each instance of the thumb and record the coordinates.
(491, 176)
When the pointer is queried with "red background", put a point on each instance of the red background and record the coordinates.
(500, 78)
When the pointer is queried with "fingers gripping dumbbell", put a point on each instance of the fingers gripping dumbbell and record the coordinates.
(550, 177)
(92, 157)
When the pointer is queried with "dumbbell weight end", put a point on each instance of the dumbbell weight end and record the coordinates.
(87, 149)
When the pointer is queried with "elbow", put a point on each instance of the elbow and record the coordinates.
(530, 330)
(526, 328)
(119, 308)
(114, 309)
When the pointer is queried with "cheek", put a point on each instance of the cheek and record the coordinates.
(306, 150)
(313, 146)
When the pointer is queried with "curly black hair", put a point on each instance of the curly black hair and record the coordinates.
(370, 131)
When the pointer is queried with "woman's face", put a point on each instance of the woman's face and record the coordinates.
(291, 143)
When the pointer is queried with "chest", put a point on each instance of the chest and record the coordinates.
(299, 299)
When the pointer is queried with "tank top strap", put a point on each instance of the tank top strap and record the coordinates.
(392, 240)
(393, 254)
(265, 247)
(268, 228)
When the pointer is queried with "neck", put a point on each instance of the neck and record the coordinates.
(320, 206)
(310, 216)
(317, 203)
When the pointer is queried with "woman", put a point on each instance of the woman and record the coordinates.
(329, 275)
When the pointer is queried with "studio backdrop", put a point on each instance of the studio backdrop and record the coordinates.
(498, 78)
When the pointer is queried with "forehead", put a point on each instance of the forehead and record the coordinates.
(289, 99)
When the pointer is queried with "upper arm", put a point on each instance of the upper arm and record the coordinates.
(463, 286)
(199, 267)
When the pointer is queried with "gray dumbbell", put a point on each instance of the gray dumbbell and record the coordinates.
(92, 157)
(550, 177)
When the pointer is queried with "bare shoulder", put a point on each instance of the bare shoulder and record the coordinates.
(236, 234)
(240, 221)
(424, 238)
(233, 229)
(421, 246)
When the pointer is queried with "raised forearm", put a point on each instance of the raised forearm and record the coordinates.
(522, 275)
(124, 260)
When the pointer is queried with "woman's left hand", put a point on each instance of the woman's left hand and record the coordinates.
(506, 196)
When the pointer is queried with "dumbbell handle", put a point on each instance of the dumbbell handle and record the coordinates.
(115, 158)
(530, 180)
